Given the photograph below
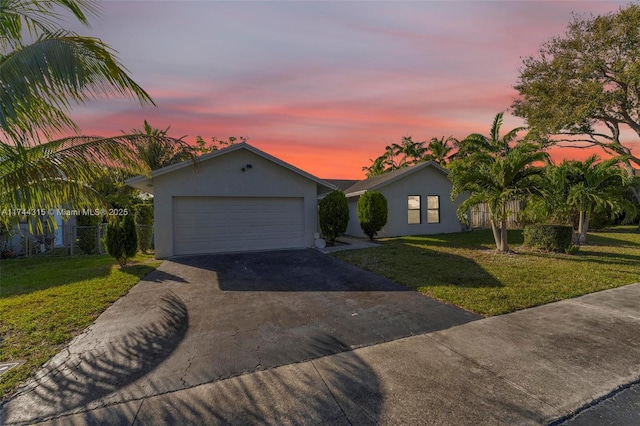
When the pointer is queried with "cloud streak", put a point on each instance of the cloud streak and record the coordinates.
(324, 85)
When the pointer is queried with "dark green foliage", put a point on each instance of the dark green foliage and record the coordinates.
(130, 237)
(113, 242)
(333, 214)
(144, 222)
(372, 212)
(86, 232)
(548, 237)
(121, 240)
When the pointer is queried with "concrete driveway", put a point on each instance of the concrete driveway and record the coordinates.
(200, 319)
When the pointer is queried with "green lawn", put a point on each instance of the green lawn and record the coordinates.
(45, 302)
(464, 269)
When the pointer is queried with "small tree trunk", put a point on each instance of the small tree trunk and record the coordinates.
(636, 193)
(584, 221)
(503, 236)
(496, 234)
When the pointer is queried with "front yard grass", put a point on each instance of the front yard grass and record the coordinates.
(45, 302)
(464, 269)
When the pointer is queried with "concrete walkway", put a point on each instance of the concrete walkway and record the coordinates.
(530, 367)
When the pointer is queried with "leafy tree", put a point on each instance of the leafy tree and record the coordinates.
(583, 89)
(372, 212)
(202, 147)
(333, 214)
(493, 170)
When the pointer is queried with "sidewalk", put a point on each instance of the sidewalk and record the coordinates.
(529, 367)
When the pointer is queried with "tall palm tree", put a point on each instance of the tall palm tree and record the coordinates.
(160, 150)
(409, 151)
(493, 144)
(376, 168)
(496, 180)
(45, 69)
(439, 150)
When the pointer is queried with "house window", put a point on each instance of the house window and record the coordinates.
(433, 209)
(413, 208)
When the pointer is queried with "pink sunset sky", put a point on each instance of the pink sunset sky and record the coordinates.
(324, 86)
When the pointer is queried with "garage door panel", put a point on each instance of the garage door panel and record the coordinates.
(224, 224)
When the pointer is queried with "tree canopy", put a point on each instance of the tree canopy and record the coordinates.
(583, 88)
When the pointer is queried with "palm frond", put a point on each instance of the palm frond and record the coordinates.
(41, 81)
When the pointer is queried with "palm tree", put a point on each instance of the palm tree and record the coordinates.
(410, 152)
(376, 168)
(160, 150)
(496, 180)
(40, 83)
(598, 185)
(43, 79)
(439, 150)
(551, 206)
(36, 179)
(492, 144)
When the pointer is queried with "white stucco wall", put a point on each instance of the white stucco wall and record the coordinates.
(424, 182)
(223, 176)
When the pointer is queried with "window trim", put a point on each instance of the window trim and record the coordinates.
(419, 210)
(429, 209)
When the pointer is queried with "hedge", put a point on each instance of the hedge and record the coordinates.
(548, 237)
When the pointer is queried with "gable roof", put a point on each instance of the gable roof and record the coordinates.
(342, 184)
(145, 183)
(377, 182)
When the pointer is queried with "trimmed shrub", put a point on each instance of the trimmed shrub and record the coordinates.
(86, 232)
(372, 212)
(113, 241)
(130, 236)
(121, 239)
(144, 220)
(333, 214)
(548, 237)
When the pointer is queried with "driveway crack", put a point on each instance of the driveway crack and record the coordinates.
(186, 370)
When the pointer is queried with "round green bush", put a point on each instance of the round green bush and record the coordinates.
(548, 237)
(333, 214)
(372, 212)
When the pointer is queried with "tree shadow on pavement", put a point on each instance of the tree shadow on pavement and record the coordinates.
(348, 392)
(71, 380)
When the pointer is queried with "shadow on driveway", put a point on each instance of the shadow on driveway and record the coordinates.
(74, 379)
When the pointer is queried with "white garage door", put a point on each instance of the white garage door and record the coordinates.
(228, 224)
